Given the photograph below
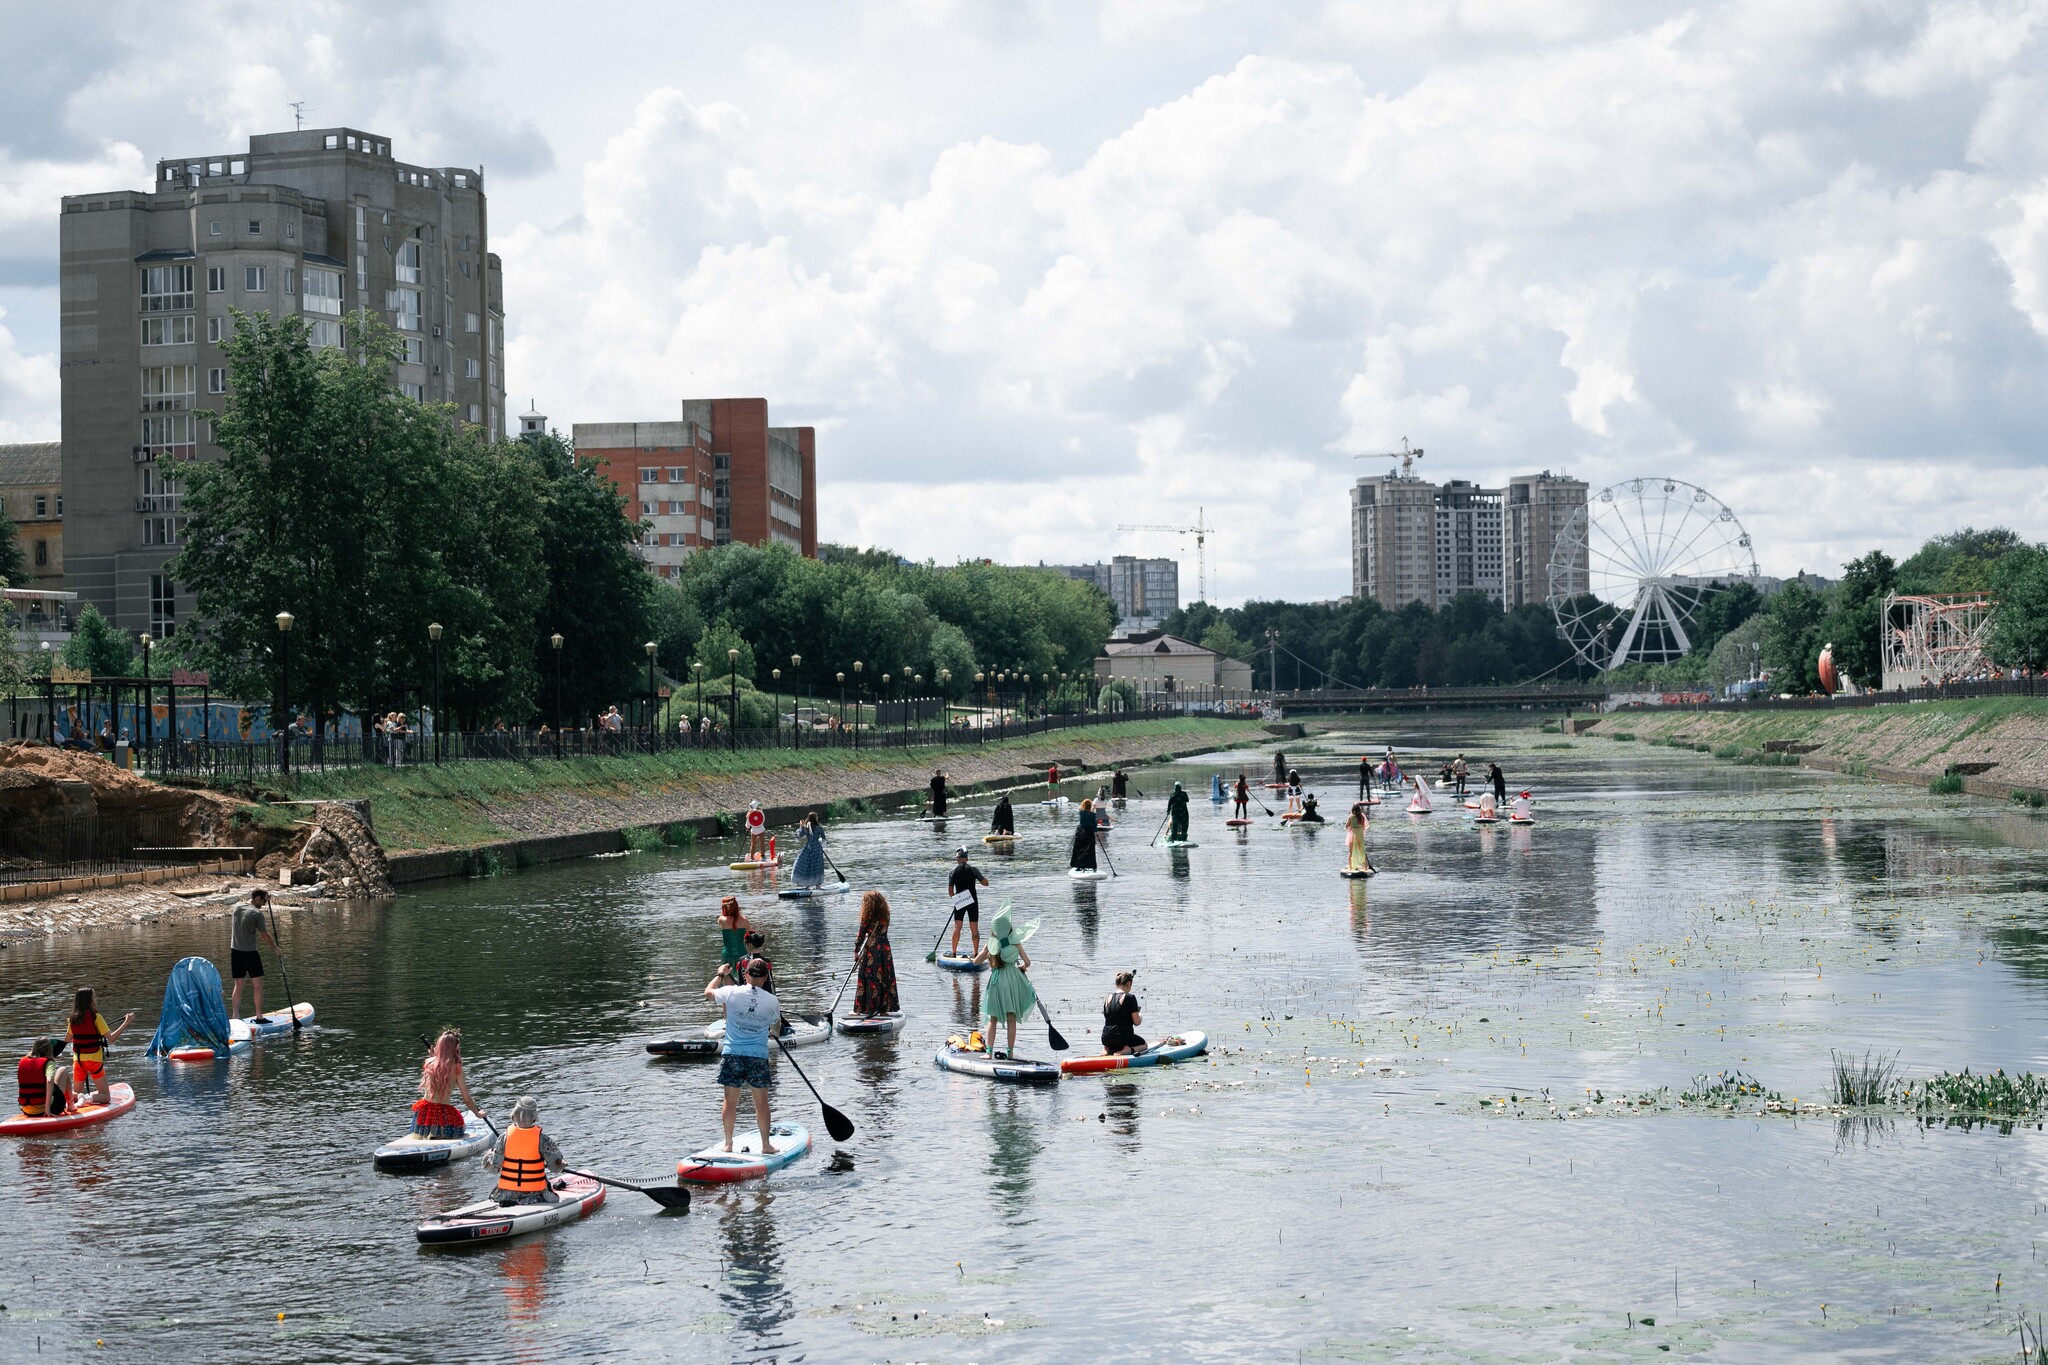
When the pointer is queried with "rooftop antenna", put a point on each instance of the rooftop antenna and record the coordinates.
(1407, 455)
(298, 108)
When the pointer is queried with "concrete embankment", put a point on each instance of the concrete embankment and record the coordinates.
(1994, 746)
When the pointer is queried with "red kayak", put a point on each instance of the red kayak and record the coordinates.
(21, 1125)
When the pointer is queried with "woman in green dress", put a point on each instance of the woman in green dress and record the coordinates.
(1008, 993)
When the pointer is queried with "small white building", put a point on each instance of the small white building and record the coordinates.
(1157, 663)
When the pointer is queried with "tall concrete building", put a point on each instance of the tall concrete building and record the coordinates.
(720, 474)
(1393, 540)
(319, 223)
(1146, 591)
(1536, 507)
(1468, 541)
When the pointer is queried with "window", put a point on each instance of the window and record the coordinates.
(493, 368)
(216, 330)
(469, 322)
(217, 381)
(160, 530)
(465, 270)
(323, 291)
(216, 279)
(166, 331)
(472, 368)
(324, 335)
(462, 180)
(163, 606)
(491, 341)
(650, 475)
(678, 475)
(168, 433)
(60, 504)
(415, 351)
(167, 388)
(291, 280)
(42, 552)
(252, 278)
(416, 392)
(476, 412)
(362, 223)
(462, 242)
(42, 504)
(159, 490)
(255, 227)
(362, 274)
(351, 141)
(647, 509)
(333, 142)
(166, 288)
(213, 228)
(405, 309)
(409, 263)
(291, 229)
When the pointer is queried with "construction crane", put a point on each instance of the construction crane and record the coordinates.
(1405, 455)
(1200, 531)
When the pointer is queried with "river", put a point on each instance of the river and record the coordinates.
(1331, 1183)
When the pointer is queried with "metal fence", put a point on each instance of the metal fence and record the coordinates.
(1950, 691)
(39, 846)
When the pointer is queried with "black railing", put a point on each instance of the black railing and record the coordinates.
(46, 845)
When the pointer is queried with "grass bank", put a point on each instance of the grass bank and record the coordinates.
(462, 805)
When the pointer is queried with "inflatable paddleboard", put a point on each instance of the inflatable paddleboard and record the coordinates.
(1414, 809)
(716, 1166)
(1087, 874)
(242, 1032)
(21, 1125)
(1350, 876)
(802, 1032)
(1054, 801)
(699, 1046)
(1016, 1070)
(874, 1023)
(1182, 843)
(415, 1153)
(798, 893)
(999, 838)
(1179, 1047)
(489, 1221)
(1521, 819)
(1237, 824)
(751, 864)
(960, 964)
(933, 819)
(1486, 819)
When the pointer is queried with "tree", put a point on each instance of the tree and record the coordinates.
(1958, 562)
(2019, 624)
(1791, 637)
(99, 648)
(13, 563)
(1855, 623)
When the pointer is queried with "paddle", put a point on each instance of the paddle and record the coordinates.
(834, 866)
(836, 1123)
(290, 1008)
(944, 925)
(858, 945)
(668, 1196)
(1104, 850)
(1052, 1035)
(1154, 842)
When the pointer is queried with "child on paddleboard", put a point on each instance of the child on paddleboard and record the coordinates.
(757, 833)
(732, 933)
(434, 1114)
(1009, 992)
(89, 1035)
(42, 1084)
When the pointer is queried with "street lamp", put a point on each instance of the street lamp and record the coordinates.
(555, 643)
(775, 674)
(653, 720)
(732, 670)
(878, 709)
(284, 690)
(980, 721)
(148, 721)
(796, 663)
(434, 634)
(696, 722)
(856, 704)
(917, 678)
(842, 703)
(945, 708)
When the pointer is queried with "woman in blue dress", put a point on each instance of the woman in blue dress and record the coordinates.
(810, 859)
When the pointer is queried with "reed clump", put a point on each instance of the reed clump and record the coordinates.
(1869, 1079)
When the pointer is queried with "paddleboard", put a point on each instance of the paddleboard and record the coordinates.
(1289, 816)
(960, 964)
(751, 865)
(242, 1032)
(489, 1221)
(802, 1032)
(716, 1166)
(1087, 874)
(1521, 819)
(1179, 1047)
(21, 1125)
(1237, 824)
(1016, 1070)
(415, 1153)
(1414, 809)
(798, 893)
(684, 1047)
(1273, 786)
(1054, 801)
(874, 1023)
(999, 838)
(1350, 876)
(1182, 843)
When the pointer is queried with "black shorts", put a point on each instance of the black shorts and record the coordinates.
(968, 912)
(245, 962)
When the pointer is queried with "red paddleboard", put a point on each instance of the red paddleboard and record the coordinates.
(1237, 824)
(21, 1125)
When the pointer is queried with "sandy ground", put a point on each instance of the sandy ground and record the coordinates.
(209, 896)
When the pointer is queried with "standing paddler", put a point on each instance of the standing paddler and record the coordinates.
(1004, 821)
(1177, 816)
(810, 859)
(1081, 858)
(1355, 858)
(938, 790)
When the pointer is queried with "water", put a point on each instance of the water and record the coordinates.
(1326, 1185)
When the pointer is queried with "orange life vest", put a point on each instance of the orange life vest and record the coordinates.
(522, 1170)
(31, 1084)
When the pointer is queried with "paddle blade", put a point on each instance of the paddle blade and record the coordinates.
(837, 1124)
(1052, 1035)
(668, 1196)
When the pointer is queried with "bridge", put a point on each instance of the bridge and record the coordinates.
(1523, 696)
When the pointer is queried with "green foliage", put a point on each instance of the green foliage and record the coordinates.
(2019, 625)
(642, 839)
(1958, 562)
(96, 646)
(1727, 1088)
(1621, 736)
(1993, 1094)
(1948, 784)
(715, 653)
(1854, 623)
(1792, 637)
(1869, 1079)
(1118, 695)
(13, 562)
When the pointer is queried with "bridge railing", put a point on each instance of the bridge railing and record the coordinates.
(1366, 698)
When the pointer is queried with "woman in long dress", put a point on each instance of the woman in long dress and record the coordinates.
(1008, 994)
(1082, 856)
(810, 859)
(874, 978)
(1355, 859)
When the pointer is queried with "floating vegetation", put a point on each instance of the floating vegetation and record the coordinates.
(1991, 1094)
(1870, 1079)
(642, 839)
(1728, 1089)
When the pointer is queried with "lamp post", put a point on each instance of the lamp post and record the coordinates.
(842, 703)
(980, 721)
(775, 675)
(653, 719)
(148, 721)
(697, 672)
(945, 707)
(555, 643)
(796, 731)
(284, 692)
(878, 708)
(856, 704)
(434, 634)
(732, 672)
(910, 700)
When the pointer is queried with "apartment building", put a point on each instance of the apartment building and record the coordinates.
(317, 223)
(32, 495)
(1393, 540)
(1145, 591)
(1535, 508)
(718, 475)
(1468, 541)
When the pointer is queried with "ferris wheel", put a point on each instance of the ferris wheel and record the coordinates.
(1629, 570)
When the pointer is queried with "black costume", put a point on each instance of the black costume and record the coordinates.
(1118, 1033)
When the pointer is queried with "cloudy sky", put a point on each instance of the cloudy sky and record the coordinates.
(1038, 269)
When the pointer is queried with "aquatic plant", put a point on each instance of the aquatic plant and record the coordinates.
(1992, 1094)
(1870, 1079)
(1621, 736)
(676, 834)
(1948, 784)
(482, 862)
(2022, 797)
(1726, 1088)
(1728, 751)
(641, 839)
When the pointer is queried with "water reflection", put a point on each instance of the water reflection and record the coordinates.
(1015, 1118)
(1120, 1108)
(752, 1287)
(523, 1283)
(1361, 913)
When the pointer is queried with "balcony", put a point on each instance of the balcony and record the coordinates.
(157, 502)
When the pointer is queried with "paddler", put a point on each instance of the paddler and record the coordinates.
(1355, 857)
(1004, 821)
(1052, 778)
(1499, 781)
(1460, 770)
(809, 868)
(732, 933)
(751, 1010)
(1119, 784)
(1294, 780)
(244, 958)
(962, 881)
(88, 1035)
(1008, 993)
(42, 1084)
(434, 1114)
(1081, 857)
(1364, 774)
(1521, 809)
(522, 1156)
(1177, 816)
(1120, 1019)
(1243, 796)
(757, 833)
(1309, 814)
(938, 790)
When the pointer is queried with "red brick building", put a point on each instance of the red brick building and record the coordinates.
(720, 474)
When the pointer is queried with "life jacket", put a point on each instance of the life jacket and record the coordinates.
(31, 1084)
(522, 1170)
(86, 1038)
